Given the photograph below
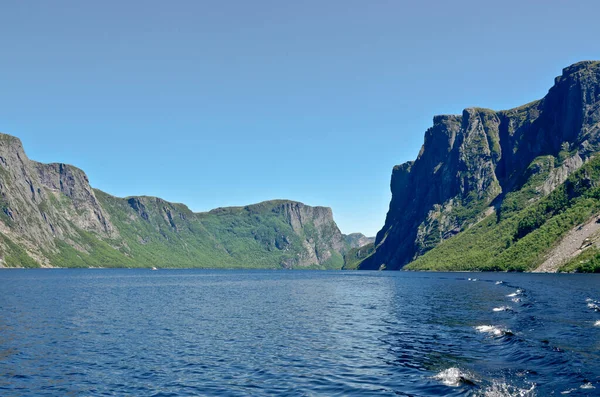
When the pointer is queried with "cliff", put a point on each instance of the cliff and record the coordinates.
(51, 217)
(473, 165)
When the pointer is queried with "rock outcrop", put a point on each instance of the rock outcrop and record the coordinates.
(41, 203)
(469, 162)
(321, 240)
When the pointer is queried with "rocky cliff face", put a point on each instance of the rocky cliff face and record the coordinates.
(73, 183)
(469, 162)
(321, 237)
(51, 216)
(41, 203)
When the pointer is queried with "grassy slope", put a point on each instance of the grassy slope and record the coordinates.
(588, 261)
(248, 237)
(353, 257)
(523, 231)
(13, 255)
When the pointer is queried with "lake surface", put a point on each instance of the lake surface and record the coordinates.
(70, 332)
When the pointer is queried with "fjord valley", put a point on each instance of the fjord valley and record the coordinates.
(51, 217)
(512, 190)
(179, 182)
(500, 190)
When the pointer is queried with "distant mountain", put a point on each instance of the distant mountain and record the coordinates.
(51, 216)
(358, 247)
(356, 240)
(499, 190)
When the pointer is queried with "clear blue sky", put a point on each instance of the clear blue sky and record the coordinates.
(219, 103)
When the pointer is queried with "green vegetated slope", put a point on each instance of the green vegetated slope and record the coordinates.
(354, 256)
(586, 262)
(14, 255)
(50, 216)
(257, 236)
(519, 235)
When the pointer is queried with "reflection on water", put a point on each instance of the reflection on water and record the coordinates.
(191, 332)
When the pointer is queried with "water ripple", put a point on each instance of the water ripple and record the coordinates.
(198, 332)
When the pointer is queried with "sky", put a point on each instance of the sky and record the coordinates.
(221, 103)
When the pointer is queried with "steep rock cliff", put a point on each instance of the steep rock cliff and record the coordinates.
(469, 162)
(321, 237)
(41, 203)
(51, 216)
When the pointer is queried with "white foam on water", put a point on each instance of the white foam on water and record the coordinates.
(597, 323)
(492, 330)
(593, 306)
(516, 300)
(485, 328)
(568, 391)
(587, 386)
(589, 300)
(502, 309)
(499, 282)
(498, 389)
(451, 377)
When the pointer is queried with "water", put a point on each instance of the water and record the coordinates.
(198, 332)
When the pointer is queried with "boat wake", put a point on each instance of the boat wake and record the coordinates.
(454, 377)
(593, 305)
(493, 330)
(498, 389)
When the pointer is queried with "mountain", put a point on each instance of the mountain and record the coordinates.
(354, 256)
(498, 190)
(51, 216)
(356, 240)
(359, 247)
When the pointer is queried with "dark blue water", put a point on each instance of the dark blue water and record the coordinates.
(198, 332)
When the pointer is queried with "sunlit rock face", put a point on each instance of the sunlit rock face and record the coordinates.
(469, 161)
